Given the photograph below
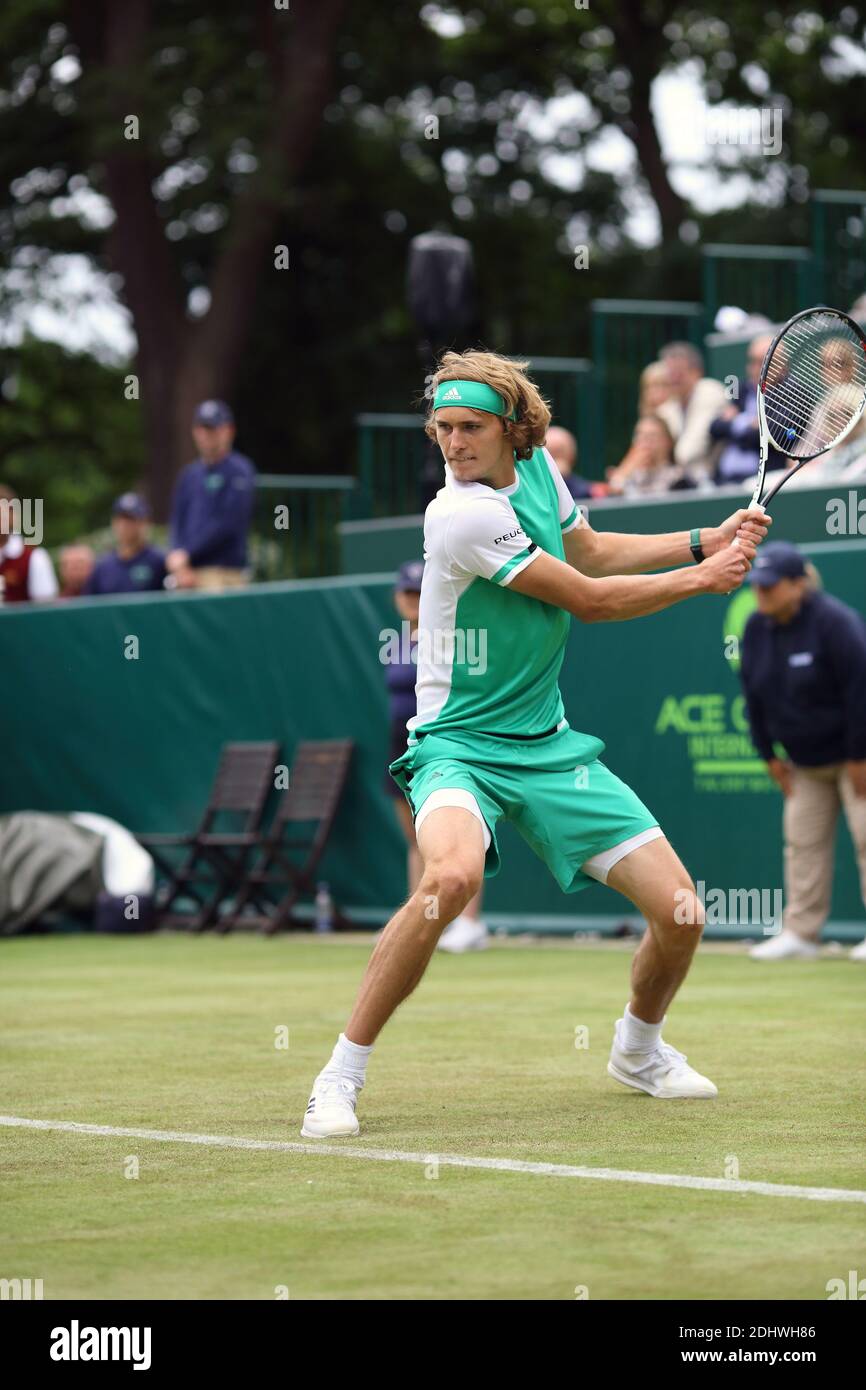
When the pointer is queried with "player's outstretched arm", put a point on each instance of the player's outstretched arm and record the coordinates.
(604, 553)
(630, 596)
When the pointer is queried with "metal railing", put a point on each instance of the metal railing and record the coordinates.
(391, 456)
(569, 384)
(627, 334)
(294, 531)
(839, 245)
(775, 281)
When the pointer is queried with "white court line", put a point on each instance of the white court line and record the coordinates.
(498, 1165)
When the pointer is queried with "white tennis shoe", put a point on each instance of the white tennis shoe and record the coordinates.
(858, 952)
(463, 934)
(663, 1072)
(331, 1108)
(787, 945)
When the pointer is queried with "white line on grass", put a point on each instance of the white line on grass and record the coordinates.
(498, 1165)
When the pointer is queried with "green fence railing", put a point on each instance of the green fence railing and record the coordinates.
(627, 335)
(294, 533)
(839, 245)
(391, 454)
(773, 280)
(569, 384)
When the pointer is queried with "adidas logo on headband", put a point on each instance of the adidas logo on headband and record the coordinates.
(452, 395)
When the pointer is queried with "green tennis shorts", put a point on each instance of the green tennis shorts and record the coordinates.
(564, 802)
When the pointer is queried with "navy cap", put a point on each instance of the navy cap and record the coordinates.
(409, 577)
(213, 413)
(130, 504)
(774, 561)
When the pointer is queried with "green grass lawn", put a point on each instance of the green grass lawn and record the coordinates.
(168, 1032)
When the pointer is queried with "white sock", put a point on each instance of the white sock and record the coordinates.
(350, 1059)
(637, 1036)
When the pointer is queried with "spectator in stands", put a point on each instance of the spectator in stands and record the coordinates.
(695, 401)
(858, 310)
(840, 363)
(76, 566)
(26, 571)
(648, 467)
(844, 463)
(134, 566)
(736, 428)
(804, 675)
(654, 389)
(562, 447)
(213, 507)
(467, 932)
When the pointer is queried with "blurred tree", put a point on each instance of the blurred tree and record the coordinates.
(67, 408)
(190, 122)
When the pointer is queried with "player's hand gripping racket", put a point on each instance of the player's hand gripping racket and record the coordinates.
(811, 391)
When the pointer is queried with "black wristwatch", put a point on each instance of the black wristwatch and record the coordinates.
(695, 545)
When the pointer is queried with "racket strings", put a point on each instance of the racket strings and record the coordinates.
(814, 384)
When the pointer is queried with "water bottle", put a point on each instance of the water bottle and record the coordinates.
(324, 908)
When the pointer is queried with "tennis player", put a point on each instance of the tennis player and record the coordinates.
(509, 562)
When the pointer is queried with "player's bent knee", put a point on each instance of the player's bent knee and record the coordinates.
(452, 884)
(687, 911)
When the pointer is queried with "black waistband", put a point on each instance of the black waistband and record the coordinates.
(522, 738)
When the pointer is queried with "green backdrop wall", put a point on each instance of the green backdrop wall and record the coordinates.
(89, 726)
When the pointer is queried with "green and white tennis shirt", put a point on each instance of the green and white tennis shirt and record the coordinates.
(489, 660)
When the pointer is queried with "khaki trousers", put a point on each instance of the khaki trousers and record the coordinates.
(216, 577)
(810, 816)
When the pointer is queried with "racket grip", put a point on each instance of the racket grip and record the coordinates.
(754, 504)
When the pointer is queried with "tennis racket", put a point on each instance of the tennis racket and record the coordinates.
(811, 391)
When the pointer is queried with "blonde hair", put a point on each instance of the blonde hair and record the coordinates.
(655, 372)
(507, 376)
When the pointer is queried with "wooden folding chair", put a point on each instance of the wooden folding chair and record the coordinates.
(214, 859)
(316, 781)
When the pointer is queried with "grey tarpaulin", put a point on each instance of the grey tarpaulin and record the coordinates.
(45, 861)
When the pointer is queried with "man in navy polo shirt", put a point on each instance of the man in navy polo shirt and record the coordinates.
(213, 507)
(804, 675)
(133, 566)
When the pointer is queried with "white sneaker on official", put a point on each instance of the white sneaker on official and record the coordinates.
(463, 934)
(858, 952)
(663, 1072)
(331, 1108)
(787, 945)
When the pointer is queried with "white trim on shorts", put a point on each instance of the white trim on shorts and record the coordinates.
(453, 796)
(600, 865)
